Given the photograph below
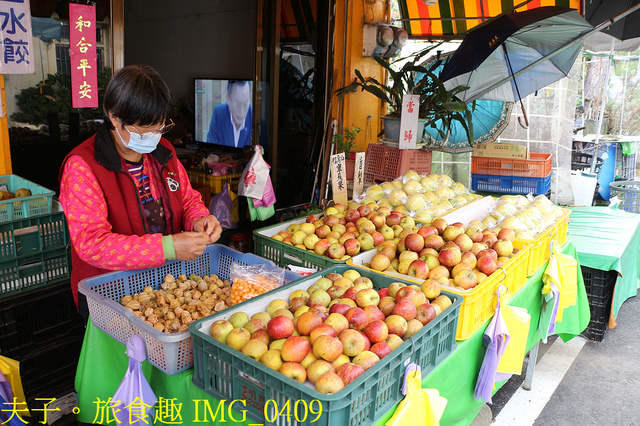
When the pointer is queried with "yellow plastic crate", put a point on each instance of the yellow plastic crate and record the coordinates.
(215, 182)
(479, 303)
(539, 247)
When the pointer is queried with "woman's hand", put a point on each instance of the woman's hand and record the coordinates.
(210, 226)
(189, 245)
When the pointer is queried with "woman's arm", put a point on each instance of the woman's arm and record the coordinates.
(85, 208)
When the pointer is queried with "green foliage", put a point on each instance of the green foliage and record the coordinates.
(346, 141)
(54, 95)
(439, 107)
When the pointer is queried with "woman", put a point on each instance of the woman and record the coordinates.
(127, 198)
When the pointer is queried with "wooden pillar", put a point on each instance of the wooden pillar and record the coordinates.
(5, 147)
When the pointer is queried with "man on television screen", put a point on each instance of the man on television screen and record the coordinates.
(231, 121)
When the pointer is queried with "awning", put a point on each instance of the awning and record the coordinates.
(298, 20)
(450, 17)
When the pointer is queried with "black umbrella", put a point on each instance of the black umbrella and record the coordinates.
(599, 11)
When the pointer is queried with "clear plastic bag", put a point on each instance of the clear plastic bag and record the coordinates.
(249, 281)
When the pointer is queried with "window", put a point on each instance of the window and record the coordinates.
(63, 61)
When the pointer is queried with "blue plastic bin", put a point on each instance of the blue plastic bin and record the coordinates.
(510, 184)
(170, 352)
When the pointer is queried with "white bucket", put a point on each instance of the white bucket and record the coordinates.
(584, 186)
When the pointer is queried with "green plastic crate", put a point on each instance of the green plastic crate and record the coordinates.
(284, 254)
(34, 270)
(38, 203)
(31, 236)
(227, 374)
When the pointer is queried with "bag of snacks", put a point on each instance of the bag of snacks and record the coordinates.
(249, 281)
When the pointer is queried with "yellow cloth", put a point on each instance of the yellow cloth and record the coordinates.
(518, 322)
(561, 271)
(420, 406)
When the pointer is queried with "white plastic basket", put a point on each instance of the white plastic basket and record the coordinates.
(171, 353)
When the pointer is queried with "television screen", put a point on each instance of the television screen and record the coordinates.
(223, 112)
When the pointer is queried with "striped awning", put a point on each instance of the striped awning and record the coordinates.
(450, 17)
(298, 20)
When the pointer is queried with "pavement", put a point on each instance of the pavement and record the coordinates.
(581, 382)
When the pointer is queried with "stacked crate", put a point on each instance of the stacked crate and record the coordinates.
(515, 173)
(39, 323)
(385, 163)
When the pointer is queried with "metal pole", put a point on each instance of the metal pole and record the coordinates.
(594, 159)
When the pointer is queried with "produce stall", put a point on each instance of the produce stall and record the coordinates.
(607, 240)
(103, 362)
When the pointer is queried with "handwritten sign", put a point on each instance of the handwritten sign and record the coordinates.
(82, 50)
(16, 37)
(409, 121)
(339, 178)
(358, 173)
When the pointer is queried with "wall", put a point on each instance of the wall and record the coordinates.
(359, 109)
(187, 39)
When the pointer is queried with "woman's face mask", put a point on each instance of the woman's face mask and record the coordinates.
(141, 143)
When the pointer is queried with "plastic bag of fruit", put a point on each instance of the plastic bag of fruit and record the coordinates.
(249, 281)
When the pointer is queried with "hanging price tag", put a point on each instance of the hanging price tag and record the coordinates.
(358, 174)
(339, 178)
(409, 121)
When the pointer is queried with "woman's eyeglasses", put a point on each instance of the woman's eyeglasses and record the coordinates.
(162, 130)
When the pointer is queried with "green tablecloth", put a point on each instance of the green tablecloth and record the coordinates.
(103, 364)
(609, 240)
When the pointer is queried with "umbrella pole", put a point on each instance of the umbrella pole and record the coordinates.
(515, 83)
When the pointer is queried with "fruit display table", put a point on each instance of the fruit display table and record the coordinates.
(609, 240)
(103, 363)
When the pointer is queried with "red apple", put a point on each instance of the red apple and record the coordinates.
(394, 218)
(381, 349)
(414, 242)
(336, 251)
(376, 331)
(352, 215)
(339, 308)
(507, 234)
(321, 330)
(450, 256)
(425, 231)
(386, 305)
(329, 383)
(357, 318)
(366, 359)
(295, 349)
(383, 292)
(426, 313)
(406, 309)
(373, 313)
(478, 247)
(396, 325)
(307, 322)
(418, 269)
(434, 242)
(338, 322)
(489, 252)
(349, 371)
(465, 279)
(487, 265)
(490, 239)
(327, 348)
(280, 327)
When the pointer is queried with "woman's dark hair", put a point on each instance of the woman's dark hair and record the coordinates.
(136, 94)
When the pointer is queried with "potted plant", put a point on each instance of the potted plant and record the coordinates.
(439, 107)
(346, 142)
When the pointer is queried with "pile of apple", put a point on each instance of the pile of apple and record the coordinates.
(344, 232)
(449, 255)
(335, 330)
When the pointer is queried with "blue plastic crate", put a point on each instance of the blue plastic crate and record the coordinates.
(170, 352)
(510, 184)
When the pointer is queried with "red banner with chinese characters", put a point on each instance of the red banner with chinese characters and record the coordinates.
(82, 50)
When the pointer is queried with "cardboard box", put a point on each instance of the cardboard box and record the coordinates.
(500, 150)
